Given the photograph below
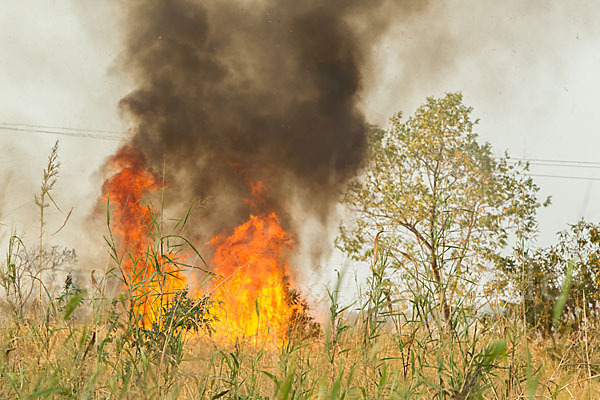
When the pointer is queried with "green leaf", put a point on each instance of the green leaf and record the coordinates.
(219, 395)
(564, 293)
(495, 350)
(74, 301)
(272, 377)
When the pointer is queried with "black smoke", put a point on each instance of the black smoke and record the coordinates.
(229, 91)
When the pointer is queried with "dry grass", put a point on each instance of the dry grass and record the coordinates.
(75, 360)
(90, 345)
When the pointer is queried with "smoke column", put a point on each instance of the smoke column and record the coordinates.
(228, 91)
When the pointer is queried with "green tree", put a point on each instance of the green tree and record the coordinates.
(446, 205)
(538, 277)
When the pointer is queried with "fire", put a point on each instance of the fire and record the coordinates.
(254, 293)
(152, 275)
(252, 296)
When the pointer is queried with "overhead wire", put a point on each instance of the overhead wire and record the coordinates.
(73, 132)
(536, 160)
(61, 128)
(103, 134)
(548, 162)
(544, 164)
(587, 178)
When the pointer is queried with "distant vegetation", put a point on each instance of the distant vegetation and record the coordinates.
(459, 303)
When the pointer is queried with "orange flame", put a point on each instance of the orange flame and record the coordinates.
(254, 293)
(252, 296)
(153, 277)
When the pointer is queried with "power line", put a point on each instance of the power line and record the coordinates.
(102, 134)
(55, 132)
(61, 128)
(546, 160)
(544, 164)
(587, 178)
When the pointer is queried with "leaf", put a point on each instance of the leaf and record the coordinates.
(64, 223)
(287, 385)
(74, 301)
(495, 350)
(53, 202)
(219, 395)
(42, 394)
(272, 377)
(562, 299)
(108, 210)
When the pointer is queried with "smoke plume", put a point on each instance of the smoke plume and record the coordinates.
(232, 91)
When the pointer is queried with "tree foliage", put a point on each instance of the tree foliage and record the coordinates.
(537, 277)
(446, 204)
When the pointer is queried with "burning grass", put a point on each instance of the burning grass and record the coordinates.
(254, 292)
(250, 277)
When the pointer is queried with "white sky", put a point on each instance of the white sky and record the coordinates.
(530, 72)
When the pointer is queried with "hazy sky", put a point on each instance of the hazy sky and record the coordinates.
(530, 72)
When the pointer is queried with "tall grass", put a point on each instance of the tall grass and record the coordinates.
(383, 345)
(391, 342)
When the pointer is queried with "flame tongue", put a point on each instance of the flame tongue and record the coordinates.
(254, 292)
(153, 277)
(131, 181)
